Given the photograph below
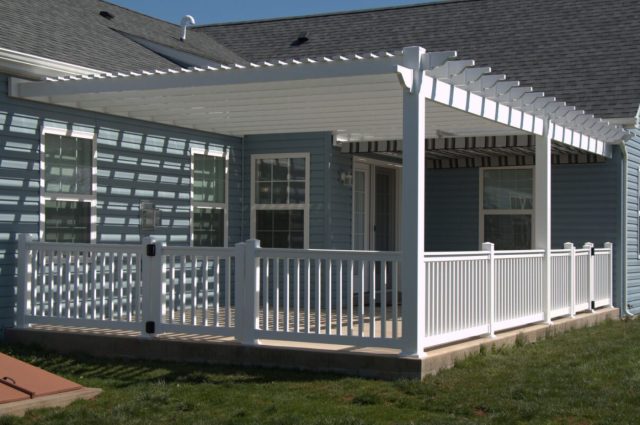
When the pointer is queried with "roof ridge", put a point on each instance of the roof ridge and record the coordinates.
(428, 3)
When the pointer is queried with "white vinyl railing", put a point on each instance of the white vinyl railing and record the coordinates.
(198, 290)
(319, 296)
(81, 285)
(329, 296)
(479, 293)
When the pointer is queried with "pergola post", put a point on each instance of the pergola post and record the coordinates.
(413, 178)
(542, 212)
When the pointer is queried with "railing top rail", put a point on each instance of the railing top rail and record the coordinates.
(602, 251)
(328, 253)
(455, 253)
(198, 250)
(523, 253)
(561, 251)
(73, 247)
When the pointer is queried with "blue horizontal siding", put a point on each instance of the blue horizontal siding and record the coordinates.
(633, 229)
(136, 161)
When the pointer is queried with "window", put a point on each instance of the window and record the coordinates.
(208, 198)
(67, 186)
(506, 210)
(280, 200)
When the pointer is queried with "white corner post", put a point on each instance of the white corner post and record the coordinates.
(491, 277)
(247, 291)
(542, 212)
(153, 290)
(572, 277)
(23, 289)
(609, 246)
(591, 273)
(413, 186)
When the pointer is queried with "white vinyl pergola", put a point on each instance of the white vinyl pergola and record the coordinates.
(358, 98)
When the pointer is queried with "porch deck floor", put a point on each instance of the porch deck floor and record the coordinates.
(187, 318)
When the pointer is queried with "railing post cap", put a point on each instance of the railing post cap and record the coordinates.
(488, 246)
(253, 243)
(148, 240)
(568, 245)
(608, 245)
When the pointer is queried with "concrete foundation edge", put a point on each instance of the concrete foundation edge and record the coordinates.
(381, 366)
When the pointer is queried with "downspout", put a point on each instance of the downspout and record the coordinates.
(623, 237)
(242, 200)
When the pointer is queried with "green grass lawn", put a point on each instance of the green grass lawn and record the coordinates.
(581, 377)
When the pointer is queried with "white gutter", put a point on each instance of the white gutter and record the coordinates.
(38, 67)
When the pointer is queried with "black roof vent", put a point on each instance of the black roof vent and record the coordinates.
(302, 38)
(106, 15)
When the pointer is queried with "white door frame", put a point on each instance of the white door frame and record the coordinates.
(369, 165)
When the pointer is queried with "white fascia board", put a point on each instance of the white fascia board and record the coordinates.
(32, 66)
(208, 77)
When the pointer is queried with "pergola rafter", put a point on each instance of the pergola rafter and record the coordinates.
(352, 95)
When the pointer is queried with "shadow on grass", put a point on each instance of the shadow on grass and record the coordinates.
(121, 373)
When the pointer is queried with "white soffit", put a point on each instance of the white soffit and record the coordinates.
(357, 97)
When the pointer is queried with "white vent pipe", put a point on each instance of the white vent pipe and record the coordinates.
(184, 23)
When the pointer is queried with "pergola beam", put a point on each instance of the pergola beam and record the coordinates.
(455, 83)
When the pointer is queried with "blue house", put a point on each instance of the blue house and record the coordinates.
(414, 175)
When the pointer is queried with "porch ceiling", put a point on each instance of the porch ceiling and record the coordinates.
(357, 98)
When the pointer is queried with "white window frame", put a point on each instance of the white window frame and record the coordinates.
(199, 204)
(484, 212)
(280, 207)
(91, 198)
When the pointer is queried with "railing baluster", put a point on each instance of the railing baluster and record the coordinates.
(172, 288)
(76, 285)
(394, 298)
(350, 299)
(339, 300)
(42, 281)
(276, 294)
(318, 294)
(194, 289)
(383, 299)
(286, 301)
(328, 283)
(307, 295)
(205, 290)
(59, 284)
(183, 290)
(227, 291)
(296, 295)
(129, 286)
(120, 284)
(361, 300)
(265, 293)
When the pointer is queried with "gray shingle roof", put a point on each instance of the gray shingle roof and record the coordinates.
(73, 31)
(585, 52)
